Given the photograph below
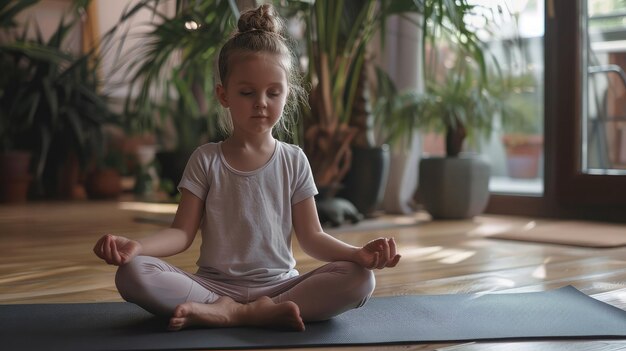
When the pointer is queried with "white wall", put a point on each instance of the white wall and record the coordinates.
(401, 58)
(116, 54)
(47, 15)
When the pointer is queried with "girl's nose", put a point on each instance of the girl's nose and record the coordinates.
(260, 103)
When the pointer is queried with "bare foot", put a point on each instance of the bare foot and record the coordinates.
(226, 312)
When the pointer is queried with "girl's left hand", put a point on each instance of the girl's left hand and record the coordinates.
(378, 253)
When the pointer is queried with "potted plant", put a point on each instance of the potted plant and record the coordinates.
(463, 103)
(522, 136)
(171, 83)
(104, 175)
(15, 176)
(337, 34)
(340, 123)
(50, 105)
(460, 106)
(462, 100)
(104, 178)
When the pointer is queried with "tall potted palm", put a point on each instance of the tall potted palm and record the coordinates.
(462, 100)
(338, 37)
(337, 136)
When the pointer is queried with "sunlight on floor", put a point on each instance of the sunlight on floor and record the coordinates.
(437, 253)
(486, 229)
(457, 256)
(491, 285)
(492, 228)
(148, 207)
(540, 272)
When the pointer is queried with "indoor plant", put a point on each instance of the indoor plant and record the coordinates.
(338, 36)
(462, 100)
(15, 175)
(459, 106)
(49, 103)
(522, 136)
(337, 135)
(171, 83)
(463, 103)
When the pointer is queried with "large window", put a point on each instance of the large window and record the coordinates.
(516, 43)
(513, 31)
(576, 53)
(603, 145)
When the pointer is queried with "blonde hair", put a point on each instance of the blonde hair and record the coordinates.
(261, 31)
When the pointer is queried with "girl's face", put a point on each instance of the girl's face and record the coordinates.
(255, 92)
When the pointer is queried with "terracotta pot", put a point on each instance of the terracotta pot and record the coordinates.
(523, 155)
(103, 184)
(15, 190)
(14, 176)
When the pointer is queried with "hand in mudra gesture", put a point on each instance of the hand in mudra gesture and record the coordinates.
(378, 253)
(116, 250)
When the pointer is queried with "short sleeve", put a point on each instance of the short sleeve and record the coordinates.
(195, 177)
(304, 184)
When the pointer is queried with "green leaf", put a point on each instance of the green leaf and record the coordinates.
(10, 9)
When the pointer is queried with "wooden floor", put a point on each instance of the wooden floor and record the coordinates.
(46, 257)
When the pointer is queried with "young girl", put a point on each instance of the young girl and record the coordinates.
(246, 194)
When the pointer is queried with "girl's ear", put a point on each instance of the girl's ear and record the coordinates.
(220, 91)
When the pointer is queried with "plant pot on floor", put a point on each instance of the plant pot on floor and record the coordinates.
(454, 187)
(15, 178)
(364, 185)
(523, 155)
(103, 183)
(173, 165)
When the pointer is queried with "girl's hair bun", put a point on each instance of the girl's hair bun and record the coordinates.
(261, 19)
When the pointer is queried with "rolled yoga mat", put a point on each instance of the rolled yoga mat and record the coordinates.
(557, 314)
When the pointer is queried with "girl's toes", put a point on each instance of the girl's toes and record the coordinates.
(179, 311)
(176, 324)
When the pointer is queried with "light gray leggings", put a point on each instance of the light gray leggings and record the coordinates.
(330, 290)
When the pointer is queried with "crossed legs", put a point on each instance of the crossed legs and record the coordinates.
(190, 301)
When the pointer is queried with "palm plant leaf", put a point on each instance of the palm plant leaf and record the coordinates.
(174, 58)
(10, 9)
(51, 98)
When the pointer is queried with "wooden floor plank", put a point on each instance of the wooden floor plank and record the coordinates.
(47, 258)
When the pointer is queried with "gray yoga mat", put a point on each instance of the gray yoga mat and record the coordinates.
(563, 313)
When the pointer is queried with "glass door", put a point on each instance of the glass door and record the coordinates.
(585, 106)
(517, 150)
(586, 103)
(604, 116)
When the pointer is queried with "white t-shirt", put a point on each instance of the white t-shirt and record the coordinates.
(247, 224)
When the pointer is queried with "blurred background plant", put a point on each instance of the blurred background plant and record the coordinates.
(50, 103)
(170, 76)
(467, 94)
(338, 36)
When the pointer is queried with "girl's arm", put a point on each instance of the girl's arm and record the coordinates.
(180, 235)
(315, 242)
(118, 250)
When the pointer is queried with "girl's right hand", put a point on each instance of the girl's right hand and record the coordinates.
(116, 250)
